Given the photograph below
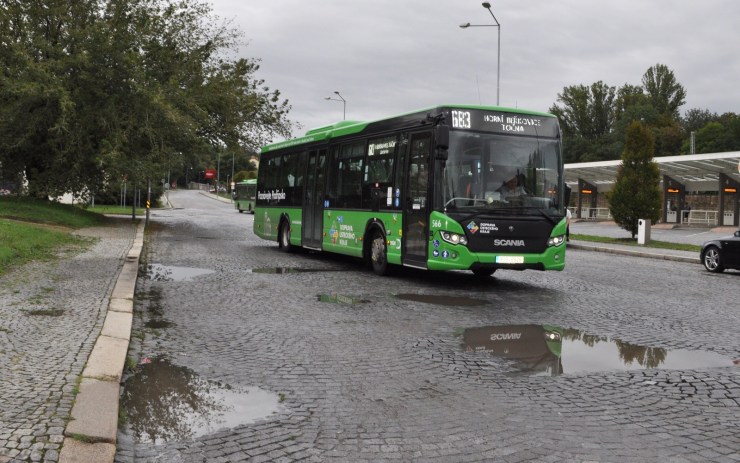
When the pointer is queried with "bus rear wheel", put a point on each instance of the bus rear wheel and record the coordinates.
(284, 237)
(379, 254)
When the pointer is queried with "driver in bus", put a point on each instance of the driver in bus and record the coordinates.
(513, 187)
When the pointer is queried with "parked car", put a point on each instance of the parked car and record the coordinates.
(720, 254)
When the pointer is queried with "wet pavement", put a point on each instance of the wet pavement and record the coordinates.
(631, 359)
(240, 352)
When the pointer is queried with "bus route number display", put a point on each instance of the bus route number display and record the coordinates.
(461, 119)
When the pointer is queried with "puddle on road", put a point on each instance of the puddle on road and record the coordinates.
(340, 299)
(168, 403)
(442, 300)
(159, 272)
(549, 351)
(282, 270)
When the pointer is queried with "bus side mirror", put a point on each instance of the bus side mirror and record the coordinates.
(442, 137)
(567, 196)
(441, 141)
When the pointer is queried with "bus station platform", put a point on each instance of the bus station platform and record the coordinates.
(660, 232)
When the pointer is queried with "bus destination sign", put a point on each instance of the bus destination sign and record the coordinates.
(502, 122)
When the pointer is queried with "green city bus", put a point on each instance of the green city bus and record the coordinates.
(244, 195)
(452, 187)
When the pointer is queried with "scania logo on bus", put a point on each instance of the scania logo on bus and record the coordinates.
(505, 336)
(516, 243)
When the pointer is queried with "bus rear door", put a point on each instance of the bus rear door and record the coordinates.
(313, 204)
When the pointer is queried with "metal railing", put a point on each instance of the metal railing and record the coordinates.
(701, 217)
(594, 213)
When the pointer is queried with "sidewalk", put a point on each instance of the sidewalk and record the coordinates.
(637, 251)
(91, 433)
(64, 328)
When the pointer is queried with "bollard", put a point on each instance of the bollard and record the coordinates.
(643, 231)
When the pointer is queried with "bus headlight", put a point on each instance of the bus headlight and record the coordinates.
(453, 238)
(556, 240)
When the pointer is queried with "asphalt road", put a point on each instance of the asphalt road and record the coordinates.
(248, 354)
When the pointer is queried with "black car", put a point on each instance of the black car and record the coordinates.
(722, 253)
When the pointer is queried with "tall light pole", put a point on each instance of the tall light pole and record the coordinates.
(344, 104)
(487, 6)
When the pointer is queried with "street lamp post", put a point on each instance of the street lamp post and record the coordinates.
(487, 6)
(344, 104)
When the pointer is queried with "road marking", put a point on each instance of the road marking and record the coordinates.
(697, 234)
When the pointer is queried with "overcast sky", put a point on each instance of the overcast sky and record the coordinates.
(387, 57)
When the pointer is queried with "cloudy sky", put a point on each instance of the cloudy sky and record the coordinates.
(392, 56)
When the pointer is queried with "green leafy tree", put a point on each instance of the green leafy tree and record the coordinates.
(586, 114)
(636, 193)
(96, 91)
(664, 92)
(695, 119)
(628, 96)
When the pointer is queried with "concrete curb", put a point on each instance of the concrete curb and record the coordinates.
(636, 253)
(91, 433)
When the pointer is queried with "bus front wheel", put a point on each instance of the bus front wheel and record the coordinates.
(284, 236)
(379, 254)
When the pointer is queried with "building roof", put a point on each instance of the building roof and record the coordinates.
(699, 172)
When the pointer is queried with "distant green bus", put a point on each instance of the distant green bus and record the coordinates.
(244, 195)
(446, 188)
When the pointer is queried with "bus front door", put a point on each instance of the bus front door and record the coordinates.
(416, 210)
(313, 204)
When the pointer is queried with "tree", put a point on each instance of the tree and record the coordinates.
(663, 90)
(636, 193)
(695, 119)
(94, 91)
(586, 116)
(586, 112)
(628, 96)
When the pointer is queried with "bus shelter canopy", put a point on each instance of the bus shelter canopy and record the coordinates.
(699, 172)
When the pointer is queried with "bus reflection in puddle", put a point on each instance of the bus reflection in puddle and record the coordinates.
(546, 350)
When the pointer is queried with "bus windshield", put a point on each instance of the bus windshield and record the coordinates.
(489, 172)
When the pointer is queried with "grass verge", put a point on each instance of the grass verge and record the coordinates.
(47, 212)
(22, 242)
(37, 230)
(633, 242)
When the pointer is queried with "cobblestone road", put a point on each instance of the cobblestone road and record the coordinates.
(386, 378)
(50, 316)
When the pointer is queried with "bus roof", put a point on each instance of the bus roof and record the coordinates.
(352, 127)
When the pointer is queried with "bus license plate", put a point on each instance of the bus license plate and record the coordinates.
(509, 259)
